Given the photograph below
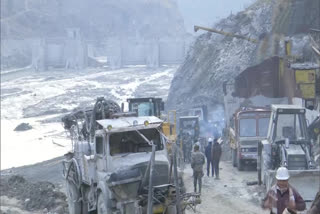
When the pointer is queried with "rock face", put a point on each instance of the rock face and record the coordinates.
(214, 58)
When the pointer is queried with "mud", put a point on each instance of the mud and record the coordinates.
(34, 197)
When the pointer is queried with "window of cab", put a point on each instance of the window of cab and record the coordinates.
(131, 142)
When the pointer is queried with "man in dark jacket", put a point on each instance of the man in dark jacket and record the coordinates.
(215, 155)
(208, 156)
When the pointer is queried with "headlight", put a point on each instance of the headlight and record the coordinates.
(135, 123)
(245, 150)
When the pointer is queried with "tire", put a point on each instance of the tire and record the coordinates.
(234, 157)
(73, 196)
(102, 207)
(239, 164)
(85, 208)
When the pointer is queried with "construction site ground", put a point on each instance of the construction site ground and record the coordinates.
(230, 194)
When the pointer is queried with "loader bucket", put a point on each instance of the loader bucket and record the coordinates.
(306, 182)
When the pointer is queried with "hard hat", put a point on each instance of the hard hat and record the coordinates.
(210, 139)
(282, 173)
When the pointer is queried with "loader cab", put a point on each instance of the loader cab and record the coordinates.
(146, 106)
(287, 122)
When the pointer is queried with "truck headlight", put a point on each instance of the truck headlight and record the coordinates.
(244, 150)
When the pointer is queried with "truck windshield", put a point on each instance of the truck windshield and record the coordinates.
(132, 142)
(290, 126)
(248, 127)
(143, 108)
(263, 126)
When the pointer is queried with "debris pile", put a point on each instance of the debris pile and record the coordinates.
(39, 196)
(23, 127)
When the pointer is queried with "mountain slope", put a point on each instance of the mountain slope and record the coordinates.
(214, 58)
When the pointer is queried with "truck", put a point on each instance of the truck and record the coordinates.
(248, 126)
(288, 144)
(119, 164)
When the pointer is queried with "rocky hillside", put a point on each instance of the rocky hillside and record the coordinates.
(96, 19)
(214, 58)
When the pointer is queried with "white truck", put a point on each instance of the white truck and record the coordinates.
(119, 164)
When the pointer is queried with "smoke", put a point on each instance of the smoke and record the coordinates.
(215, 123)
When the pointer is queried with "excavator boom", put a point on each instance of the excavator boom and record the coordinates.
(196, 28)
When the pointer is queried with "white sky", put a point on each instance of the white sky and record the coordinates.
(207, 12)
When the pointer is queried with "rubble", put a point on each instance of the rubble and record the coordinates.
(23, 127)
(35, 197)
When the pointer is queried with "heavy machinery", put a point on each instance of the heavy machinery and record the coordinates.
(196, 28)
(189, 125)
(315, 41)
(151, 106)
(288, 144)
(148, 106)
(248, 127)
(119, 164)
(188, 135)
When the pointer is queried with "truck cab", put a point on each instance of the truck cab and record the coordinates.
(247, 127)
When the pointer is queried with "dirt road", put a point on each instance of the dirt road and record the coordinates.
(230, 194)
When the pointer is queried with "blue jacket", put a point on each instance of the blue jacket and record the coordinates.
(208, 151)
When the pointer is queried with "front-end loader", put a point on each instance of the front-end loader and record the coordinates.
(288, 145)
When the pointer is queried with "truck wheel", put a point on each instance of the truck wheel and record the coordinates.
(239, 164)
(73, 195)
(234, 157)
(102, 207)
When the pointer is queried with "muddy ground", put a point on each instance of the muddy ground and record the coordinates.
(230, 194)
(39, 188)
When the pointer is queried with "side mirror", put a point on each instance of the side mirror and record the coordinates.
(162, 106)
(122, 107)
(90, 157)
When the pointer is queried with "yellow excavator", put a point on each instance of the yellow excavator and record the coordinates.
(151, 106)
(315, 41)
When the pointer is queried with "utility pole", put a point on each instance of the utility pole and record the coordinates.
(176, 181)
(150, 189)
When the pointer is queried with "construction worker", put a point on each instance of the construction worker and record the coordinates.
(315, 207)
(282, 196)
(208, 156)
(215, 155)
(187, 147)
(197, 162)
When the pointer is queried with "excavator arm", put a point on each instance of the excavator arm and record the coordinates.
(196, 28)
